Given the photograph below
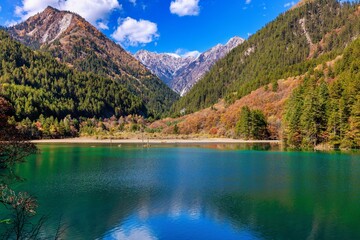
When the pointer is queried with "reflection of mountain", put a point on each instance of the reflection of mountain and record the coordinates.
(104, 190)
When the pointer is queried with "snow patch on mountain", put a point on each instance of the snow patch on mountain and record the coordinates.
(182, 73)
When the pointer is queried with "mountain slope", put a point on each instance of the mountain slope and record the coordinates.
(325, 109)
(73, 41)
(36, 84)
(319, 109)
(182, 73)
(279, 50)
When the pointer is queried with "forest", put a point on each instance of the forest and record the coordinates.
(36, 84)
(325, 109)
(279, 50)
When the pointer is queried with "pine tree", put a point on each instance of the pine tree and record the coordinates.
(292, 131)
(252, 124)
(243, 126)
(307, 121)
(353, 135)
(259, 125)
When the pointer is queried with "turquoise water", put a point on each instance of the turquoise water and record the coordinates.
(195, 192)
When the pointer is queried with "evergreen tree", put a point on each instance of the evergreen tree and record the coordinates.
(251, 124)
(353, 135)
(321, 112)
(259, 125)
(243, 126)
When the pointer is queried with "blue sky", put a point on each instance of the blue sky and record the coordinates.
(180, 26)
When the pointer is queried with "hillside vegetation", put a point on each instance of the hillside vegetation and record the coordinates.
(72, 40)
(319, 109)
(295, 42)
(327, 112)
(36, 84)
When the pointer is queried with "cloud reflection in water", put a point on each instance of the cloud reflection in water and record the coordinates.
(182, 226)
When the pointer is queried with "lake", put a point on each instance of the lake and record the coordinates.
(195, 192)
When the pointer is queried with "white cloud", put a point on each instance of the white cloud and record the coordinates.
(133, 2)
(91, 10)
(10, 23)
(0, 8)
(173, 55)
(185, 7)
(289, 4)
(103, 26)
(185, 53)
(134, 32)
(31, 7)
(247, 1)
(133, 233)
(193, 54)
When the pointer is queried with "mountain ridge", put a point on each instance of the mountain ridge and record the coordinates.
(181, 73)
(163, 65)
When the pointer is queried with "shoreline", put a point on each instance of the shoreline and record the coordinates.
(155, 141)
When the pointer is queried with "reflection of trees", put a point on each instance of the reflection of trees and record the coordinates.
(276, 221)
(281, 195)
(242, 146)
(321, 202)
(94, 215)
(81, 188)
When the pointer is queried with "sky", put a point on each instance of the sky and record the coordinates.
(184, 27)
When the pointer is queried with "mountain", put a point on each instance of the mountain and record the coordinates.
(319, 109)
(36, 84)
(293, 43)
(301, 3)
(74, 41)
(301, 72)
(182, 73)
(163, 65)
(186, 77)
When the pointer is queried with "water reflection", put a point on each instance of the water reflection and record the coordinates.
(183, 226)
(197, 192)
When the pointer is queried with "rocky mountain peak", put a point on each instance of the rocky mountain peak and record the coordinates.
(235, 41)
(182, 73)
(301, 3)
(71, 38)
(163, 65)
(50, 9)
